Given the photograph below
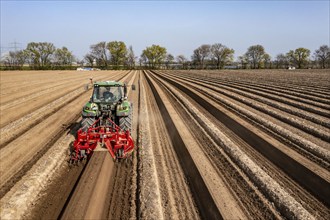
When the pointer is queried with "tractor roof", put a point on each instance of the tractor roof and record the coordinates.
(109, 83)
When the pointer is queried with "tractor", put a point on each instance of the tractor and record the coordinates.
(106, 123)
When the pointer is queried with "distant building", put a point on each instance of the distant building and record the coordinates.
(87, 69)
(232, 67)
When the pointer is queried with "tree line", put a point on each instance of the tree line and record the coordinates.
(40, 55)
(116, 55)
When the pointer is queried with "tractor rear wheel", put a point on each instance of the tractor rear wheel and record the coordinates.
(125, 123)
(86, 123)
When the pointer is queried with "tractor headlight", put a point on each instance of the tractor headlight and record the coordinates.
(87, 108)
(121, 108)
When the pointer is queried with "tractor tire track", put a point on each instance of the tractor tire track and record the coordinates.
(104, 190)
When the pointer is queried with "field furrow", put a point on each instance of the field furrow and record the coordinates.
(303, 195)
(286, 130)
(209, 144)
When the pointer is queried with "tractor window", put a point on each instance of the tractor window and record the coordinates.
(96, 94)
(107, 94)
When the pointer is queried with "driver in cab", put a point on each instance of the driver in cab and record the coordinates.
(107, 95)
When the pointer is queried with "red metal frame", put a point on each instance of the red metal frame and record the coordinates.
(119, 143)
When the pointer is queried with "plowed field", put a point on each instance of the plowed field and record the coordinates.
(209, 145)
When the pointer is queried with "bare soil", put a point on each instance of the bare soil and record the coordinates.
(209, 144)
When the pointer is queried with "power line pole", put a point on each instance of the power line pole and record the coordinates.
(15, 45)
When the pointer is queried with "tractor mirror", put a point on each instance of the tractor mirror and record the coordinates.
(133, 87)
(125, 90)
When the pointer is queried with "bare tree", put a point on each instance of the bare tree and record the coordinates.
(201, 54)
(15, 59)
(267, 61)
(282, 61)
(10, 59)
(323, 55)
(196, 58)
(99, 51)
(255, 55)
(143, 60)
(181, 59)
(169, 60)
(243, 61)
(131, 58)
(221, 54)
(89, 58)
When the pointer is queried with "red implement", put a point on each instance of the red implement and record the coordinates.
(119, 143)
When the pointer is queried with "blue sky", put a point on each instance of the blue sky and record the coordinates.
(180, 26)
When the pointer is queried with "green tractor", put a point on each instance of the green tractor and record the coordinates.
(107, 121)
(108, 101)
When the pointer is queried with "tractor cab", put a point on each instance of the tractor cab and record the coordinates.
(108, 93)
(109, 98)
